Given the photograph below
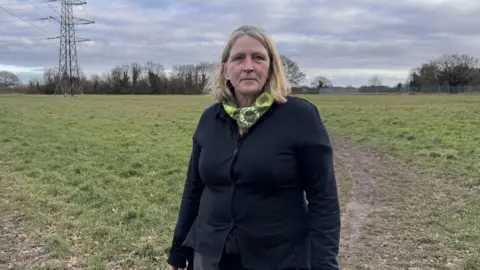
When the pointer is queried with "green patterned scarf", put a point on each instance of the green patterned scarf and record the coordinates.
(247, 116)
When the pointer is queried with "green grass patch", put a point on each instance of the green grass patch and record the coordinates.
(105, 173)
(438, 133)
(101, 176)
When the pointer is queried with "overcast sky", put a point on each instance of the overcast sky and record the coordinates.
(347, 41)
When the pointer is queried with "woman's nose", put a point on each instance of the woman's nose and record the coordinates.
(248, 64)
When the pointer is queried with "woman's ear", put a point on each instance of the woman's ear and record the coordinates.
(225, 73)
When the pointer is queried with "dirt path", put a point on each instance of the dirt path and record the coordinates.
(395, 214)
(17, 250)
(357, 165)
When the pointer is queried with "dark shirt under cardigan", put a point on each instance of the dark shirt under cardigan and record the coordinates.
(254, 186)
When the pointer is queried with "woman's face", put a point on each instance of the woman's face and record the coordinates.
(247, 67)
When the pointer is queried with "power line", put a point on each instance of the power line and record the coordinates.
(86, 13)
(18, 41)
(29, 2)
(54, 9)
(29, 20)
(32, 20)
(13, 29)
(13, 14)
(33, 4)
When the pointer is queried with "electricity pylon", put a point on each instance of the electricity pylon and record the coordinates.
(69, 82)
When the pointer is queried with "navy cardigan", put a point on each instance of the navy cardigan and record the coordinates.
(258, 188)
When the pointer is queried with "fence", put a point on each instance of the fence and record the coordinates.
(394, 90)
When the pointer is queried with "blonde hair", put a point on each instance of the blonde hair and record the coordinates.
(277, 83)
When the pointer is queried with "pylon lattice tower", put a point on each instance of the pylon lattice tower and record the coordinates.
(69, 81)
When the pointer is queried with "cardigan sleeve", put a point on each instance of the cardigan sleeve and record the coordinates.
(316, 162)
(192, 192)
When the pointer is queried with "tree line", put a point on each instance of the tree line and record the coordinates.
(152, 78)
(453, 70)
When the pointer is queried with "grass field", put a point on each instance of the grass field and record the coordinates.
(99, 178)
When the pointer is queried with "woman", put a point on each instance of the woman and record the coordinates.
(257, 154)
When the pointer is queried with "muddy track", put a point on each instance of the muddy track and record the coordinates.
(358, 166)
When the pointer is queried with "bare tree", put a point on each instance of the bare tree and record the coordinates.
(447, 70)
(414, 81)
(428, 74)
(206, 70)
(95, 83)
(455, 70)
(107, 80)
(155, 73)
(292, 71)
(125, 76)
(375, 82)
(320, 82)
(136, 70)
(116, 79)
(182, 78)
(8, 78)
(50, 80)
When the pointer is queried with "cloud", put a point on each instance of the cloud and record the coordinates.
(348, 41)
